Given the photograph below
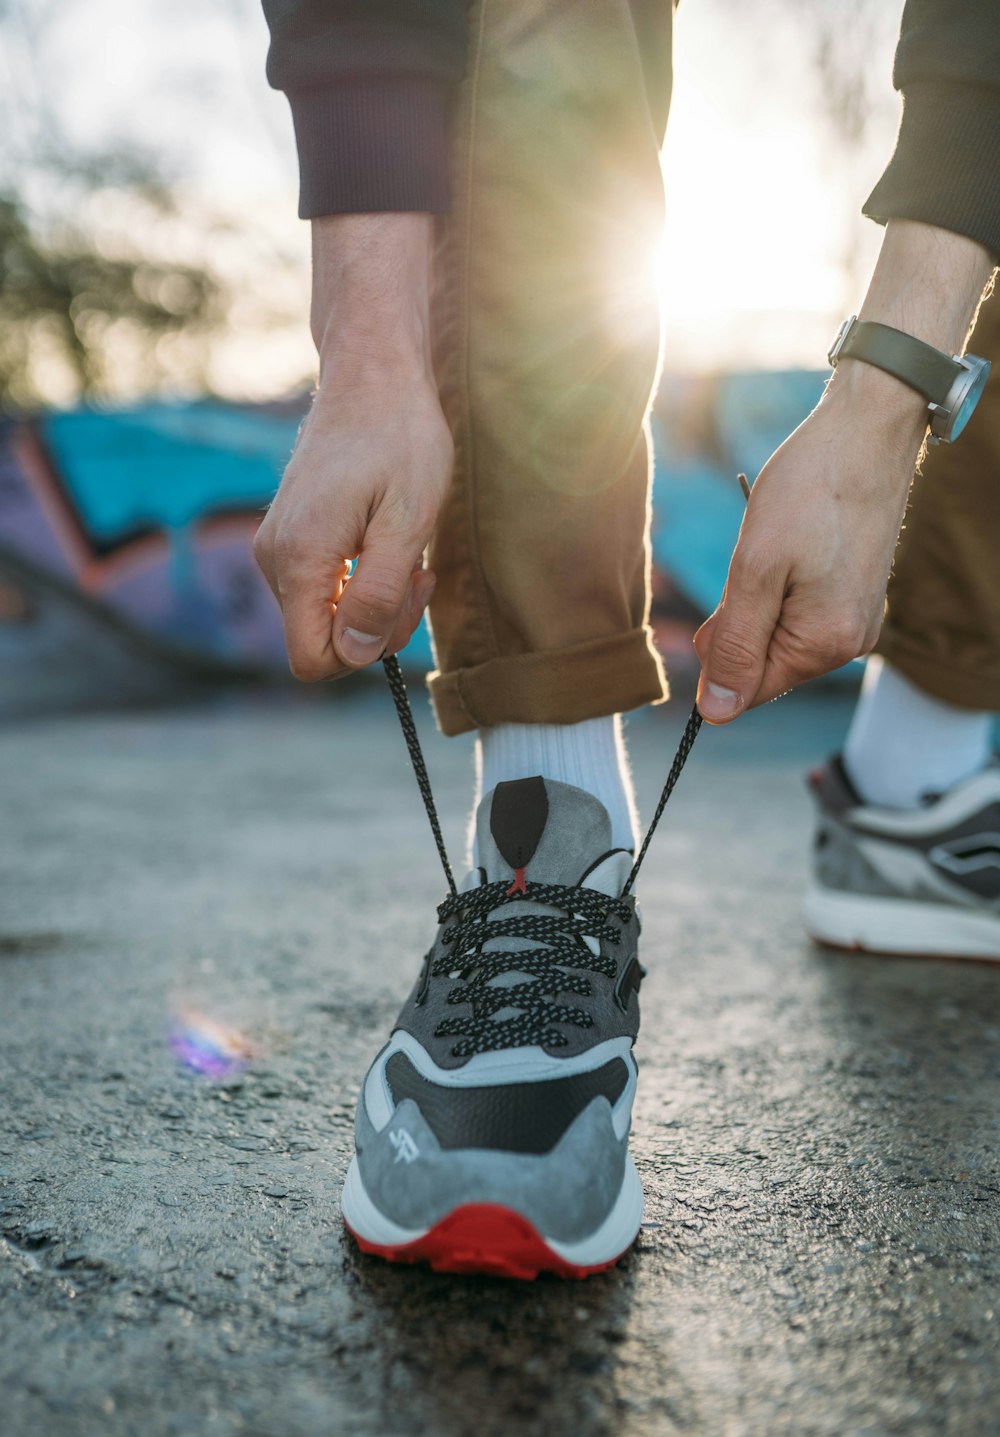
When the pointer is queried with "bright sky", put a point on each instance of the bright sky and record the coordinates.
(761, 221)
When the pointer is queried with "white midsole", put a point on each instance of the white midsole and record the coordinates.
(617, 1232)
(898, 925)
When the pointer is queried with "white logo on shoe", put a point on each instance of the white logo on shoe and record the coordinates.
(973, 853)
(406, 1149)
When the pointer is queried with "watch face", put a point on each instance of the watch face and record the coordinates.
(950, 418)
(962, 412)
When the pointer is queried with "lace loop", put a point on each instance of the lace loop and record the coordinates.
(557, 962)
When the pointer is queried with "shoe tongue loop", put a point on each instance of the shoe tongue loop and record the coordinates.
(535, 830)
(518, 815)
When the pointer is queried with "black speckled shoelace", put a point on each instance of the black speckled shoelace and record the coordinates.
(582, 912)
(557, 945)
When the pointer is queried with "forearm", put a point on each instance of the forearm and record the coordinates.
(370, 311)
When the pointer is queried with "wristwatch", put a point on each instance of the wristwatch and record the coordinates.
(951, 384)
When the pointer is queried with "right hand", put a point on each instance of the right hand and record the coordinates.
(366, 481)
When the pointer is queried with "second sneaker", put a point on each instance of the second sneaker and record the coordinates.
(925, 881)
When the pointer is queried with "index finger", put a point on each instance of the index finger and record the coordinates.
(308, 614)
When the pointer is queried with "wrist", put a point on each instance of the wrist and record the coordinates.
(927, 284)
(357, 359)
(875, 415)
(873, 395)
(370, 311)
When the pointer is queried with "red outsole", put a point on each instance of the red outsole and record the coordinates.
(483, 1238)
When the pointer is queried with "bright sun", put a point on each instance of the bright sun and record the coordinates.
(751, 267)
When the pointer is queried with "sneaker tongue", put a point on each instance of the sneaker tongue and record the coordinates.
(552, 831)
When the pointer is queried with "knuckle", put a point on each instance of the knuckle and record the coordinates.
(378, 600)
(262, 543)
(411, 512)
(734, 654)
(753, 566)
(845, 638)
(307, 670)
(818, 650)
(871, 636)
(284, 548)
(803, 655)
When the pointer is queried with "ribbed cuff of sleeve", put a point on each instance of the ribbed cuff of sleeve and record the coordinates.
(946, 167)
(371, 145)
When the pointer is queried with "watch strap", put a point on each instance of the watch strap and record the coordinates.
(917, 364)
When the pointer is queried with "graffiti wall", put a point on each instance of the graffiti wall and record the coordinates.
(145, 516)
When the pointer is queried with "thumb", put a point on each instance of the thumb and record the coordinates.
(733, 645)
(374, 597)
(421, 587)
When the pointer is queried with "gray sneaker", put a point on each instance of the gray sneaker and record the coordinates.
(925, 882)
(492, 1128)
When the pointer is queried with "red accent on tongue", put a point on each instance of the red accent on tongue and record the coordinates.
(518, 886)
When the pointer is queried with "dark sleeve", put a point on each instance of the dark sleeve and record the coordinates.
(946, 167)
(370, 83)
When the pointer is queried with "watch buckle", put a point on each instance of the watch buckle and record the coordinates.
(840, 340)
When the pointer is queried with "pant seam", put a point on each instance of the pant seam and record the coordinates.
(466, 375)
(463, 694)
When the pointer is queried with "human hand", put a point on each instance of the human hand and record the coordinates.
(365, 481)
(372, 459)
(807, 581)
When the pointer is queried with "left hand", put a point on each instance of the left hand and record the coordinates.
(807, 581)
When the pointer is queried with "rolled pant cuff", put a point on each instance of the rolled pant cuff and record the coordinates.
(568, 685)
(951, 683)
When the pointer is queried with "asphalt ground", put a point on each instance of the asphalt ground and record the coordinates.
(816, 1132)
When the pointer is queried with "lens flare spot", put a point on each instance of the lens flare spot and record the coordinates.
(206, 1046)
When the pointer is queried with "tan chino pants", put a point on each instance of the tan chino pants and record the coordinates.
(546, 347)
(546, 337)
(943, 625)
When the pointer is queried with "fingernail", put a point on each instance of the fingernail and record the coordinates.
(359, 648)
(716, 703)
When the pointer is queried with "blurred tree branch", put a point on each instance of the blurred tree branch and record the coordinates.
(109, 285)
(65, 301)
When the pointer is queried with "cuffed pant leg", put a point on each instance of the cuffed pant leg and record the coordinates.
(943, 624)
(546, 342)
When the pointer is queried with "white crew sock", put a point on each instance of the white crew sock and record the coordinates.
(590, 755)
(903, 744)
